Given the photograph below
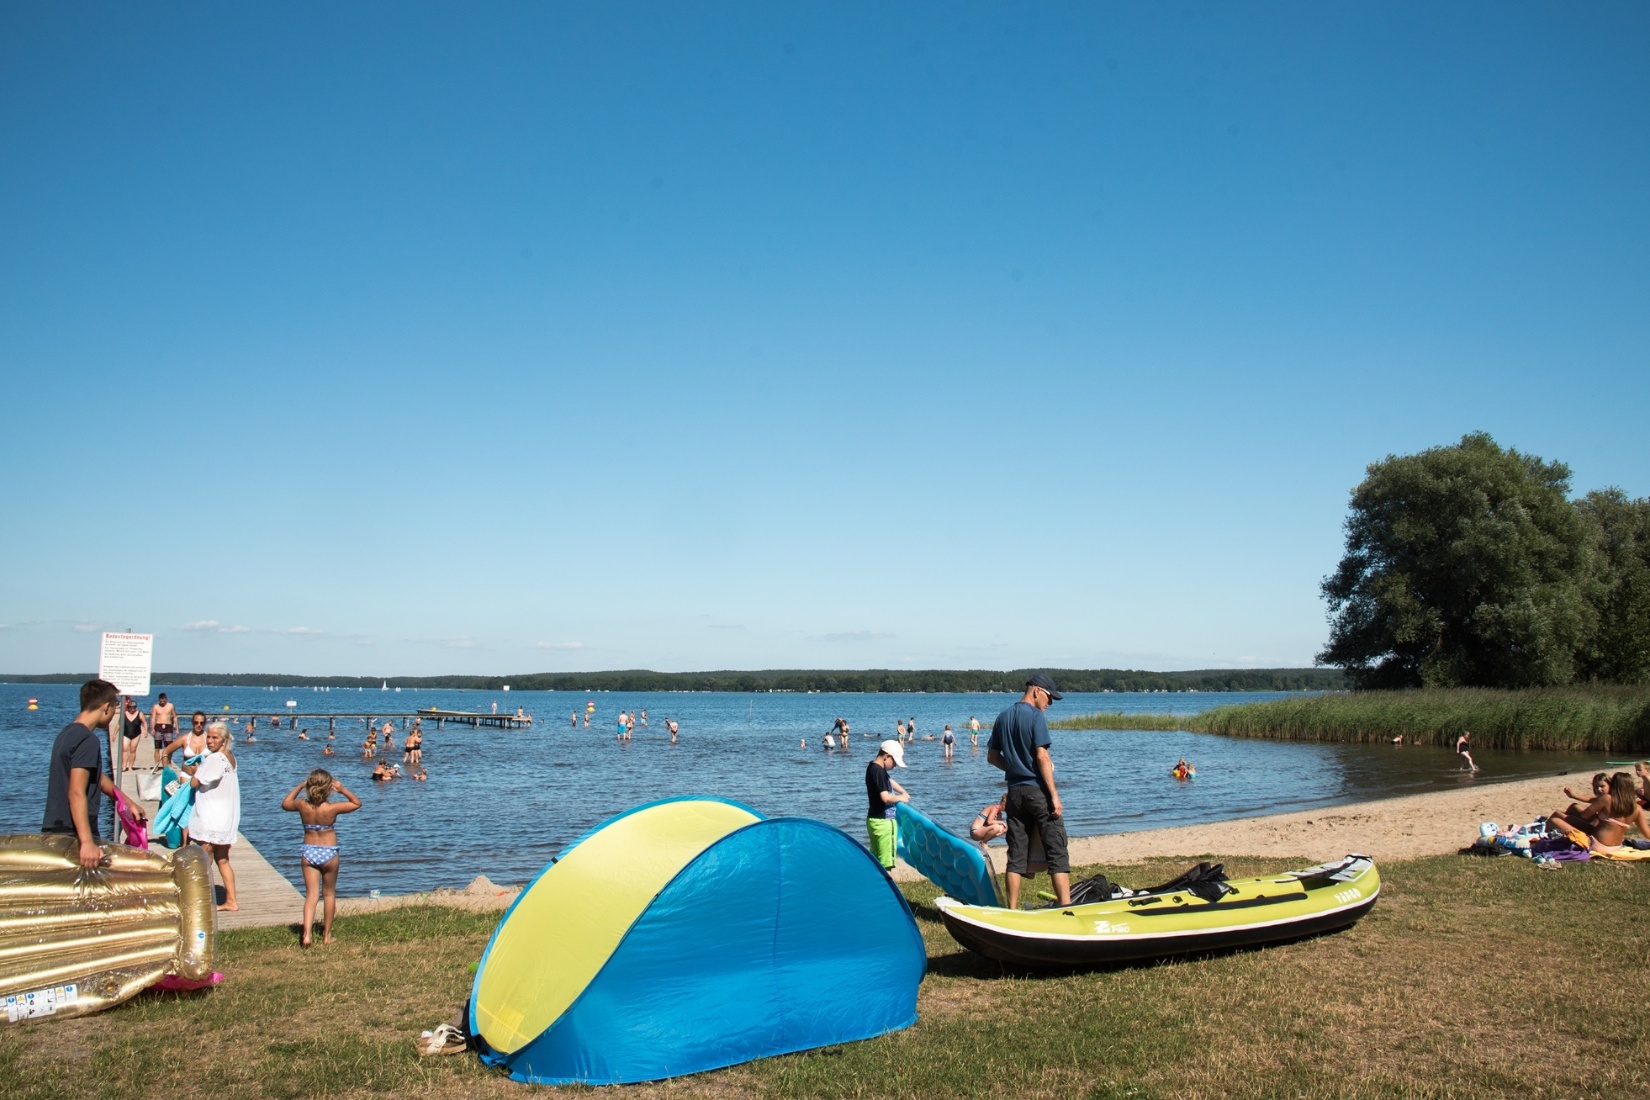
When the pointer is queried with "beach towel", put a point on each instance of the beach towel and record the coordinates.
(1559, 848)
(173, 816)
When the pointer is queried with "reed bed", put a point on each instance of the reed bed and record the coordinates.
(1593, 719)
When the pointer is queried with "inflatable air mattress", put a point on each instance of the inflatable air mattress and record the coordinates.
(74, 941)
(1158, 924)
(955, 865)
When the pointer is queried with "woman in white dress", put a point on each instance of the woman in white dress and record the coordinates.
(217, 816)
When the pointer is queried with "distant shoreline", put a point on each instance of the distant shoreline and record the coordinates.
(760, 681)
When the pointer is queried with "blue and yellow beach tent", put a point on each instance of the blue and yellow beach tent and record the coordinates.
(691, 934)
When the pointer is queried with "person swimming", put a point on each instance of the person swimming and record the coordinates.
(1183, 770)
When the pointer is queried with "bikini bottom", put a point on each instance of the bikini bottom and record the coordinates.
(318, 855)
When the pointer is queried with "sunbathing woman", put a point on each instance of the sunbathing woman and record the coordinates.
(1622, 812)
(319, 851)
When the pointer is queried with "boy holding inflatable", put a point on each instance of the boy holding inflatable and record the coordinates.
(884, 792)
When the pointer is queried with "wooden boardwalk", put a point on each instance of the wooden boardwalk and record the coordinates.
(237, 718)
(266, 898)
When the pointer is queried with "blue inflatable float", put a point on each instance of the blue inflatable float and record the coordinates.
(690, 934)
(955, 865)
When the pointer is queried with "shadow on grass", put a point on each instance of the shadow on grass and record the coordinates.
(967, 964)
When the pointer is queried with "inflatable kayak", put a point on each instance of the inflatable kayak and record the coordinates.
(1212, 914)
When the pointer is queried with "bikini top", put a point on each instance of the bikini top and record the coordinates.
(317, 828)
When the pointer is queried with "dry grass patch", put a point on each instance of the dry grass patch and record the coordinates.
(1470, 978)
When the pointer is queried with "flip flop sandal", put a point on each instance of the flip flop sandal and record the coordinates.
(445, 1039)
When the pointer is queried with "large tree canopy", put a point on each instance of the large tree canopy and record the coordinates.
(1619, 649)
(1464, 565)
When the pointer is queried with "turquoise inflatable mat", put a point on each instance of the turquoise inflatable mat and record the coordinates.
(955, 865)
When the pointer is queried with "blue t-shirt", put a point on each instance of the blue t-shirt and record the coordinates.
(1016, 735)
(75, 747)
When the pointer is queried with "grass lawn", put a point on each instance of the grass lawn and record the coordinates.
(1472, 977)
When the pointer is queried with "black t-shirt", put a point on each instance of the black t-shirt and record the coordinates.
(876, 782)
(75, 747)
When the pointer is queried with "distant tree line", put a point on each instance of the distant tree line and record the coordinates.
(1470, 566)
(789, 680)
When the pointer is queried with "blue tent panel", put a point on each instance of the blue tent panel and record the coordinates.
(741, 957)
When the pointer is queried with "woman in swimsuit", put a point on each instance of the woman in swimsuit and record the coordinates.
(1621, 812)
(192, 743)
(131, 728)
(319, 851)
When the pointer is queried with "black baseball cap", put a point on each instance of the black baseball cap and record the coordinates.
(1044, 681)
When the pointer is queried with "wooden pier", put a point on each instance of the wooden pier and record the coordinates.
(372, 718)
(265, 897)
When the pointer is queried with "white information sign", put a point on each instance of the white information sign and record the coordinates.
(126, 662)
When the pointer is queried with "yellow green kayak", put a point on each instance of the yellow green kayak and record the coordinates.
(1160, 923)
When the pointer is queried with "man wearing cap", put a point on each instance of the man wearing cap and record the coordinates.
(884, 793)
(1019, 746)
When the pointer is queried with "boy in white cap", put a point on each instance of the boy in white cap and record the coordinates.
(884, 793)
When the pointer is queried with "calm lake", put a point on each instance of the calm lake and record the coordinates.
(501, 803)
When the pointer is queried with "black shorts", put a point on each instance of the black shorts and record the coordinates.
(1027, 810)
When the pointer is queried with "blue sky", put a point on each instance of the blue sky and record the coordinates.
(400, 339)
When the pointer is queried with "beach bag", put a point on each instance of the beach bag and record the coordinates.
(137, 832)
(148, 786)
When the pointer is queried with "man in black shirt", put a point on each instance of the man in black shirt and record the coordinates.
(76, 780)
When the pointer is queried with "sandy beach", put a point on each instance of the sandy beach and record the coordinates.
(1436, 823)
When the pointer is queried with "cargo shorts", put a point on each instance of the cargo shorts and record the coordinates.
(1027, 812)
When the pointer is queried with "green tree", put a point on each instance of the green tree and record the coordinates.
(1464, 565)
(1619, 649)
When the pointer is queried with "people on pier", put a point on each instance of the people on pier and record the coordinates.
(130, 731)
(191, 743)
(163, 724)
(217, 815)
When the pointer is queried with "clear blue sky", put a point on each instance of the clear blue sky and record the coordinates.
(406, 339)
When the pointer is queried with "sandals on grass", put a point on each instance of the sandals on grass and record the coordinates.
(445, 1039)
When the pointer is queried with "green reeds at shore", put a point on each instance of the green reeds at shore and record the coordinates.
(1593, 719)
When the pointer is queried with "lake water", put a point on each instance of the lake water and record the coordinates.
(501, 803)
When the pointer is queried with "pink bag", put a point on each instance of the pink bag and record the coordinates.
(137, 832)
